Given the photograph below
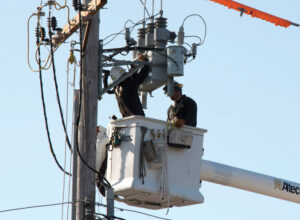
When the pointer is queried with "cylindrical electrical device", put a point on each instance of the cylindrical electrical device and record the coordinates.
(180, 37)
(161, 33)
(149, 40)
(194, 50)
(144, 99)
(175, 60)
(159, 68)
(170, 87)
(127, 34)
(158, 75)
(141, 39)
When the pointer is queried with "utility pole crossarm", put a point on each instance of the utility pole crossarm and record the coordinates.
(92, 8)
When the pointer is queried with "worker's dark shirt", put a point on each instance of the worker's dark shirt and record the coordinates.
(129, 93)
(185, 108)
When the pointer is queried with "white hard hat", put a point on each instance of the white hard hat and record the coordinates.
(116, 72)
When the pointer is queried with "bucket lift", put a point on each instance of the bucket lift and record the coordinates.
(153, 165)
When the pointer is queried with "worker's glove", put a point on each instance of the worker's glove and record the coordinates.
(178, 122)
(142, 57)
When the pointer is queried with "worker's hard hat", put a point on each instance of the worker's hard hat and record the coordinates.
(116, 72)
(177, 87)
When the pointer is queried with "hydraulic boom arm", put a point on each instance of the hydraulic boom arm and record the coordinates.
(250, 181)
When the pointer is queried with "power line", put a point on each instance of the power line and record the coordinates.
(36, 206)
(130, 210)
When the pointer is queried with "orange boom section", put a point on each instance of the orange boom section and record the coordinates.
(255, 13)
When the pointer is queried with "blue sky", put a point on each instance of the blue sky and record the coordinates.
(245, 80)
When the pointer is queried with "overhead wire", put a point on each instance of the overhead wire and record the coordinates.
(37, 206)
(115, 35)
(65, 152)
(28, 44)
(145, 12)
(44, 67)
(127, 22)
(62, 7)
(132, 28)
(141, 21)
(145, 8)
(134, 211)
(195, 36)
(205, 26)
(152, 10)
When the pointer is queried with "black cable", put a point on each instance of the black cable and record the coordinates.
(97, 214)
(55, 82)
(79, 104)
(44, 111)
(130, 210)
(110, 218)
(37, 206)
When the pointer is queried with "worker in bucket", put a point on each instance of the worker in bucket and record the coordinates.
(184, 109)
(127, 91)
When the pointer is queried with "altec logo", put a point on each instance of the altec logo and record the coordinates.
(284, 186)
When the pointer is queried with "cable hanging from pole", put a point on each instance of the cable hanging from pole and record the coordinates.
(44, 109)
(55, 81)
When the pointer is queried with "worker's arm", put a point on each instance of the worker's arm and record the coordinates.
(142, 75)
(191, 113)
(139, 78)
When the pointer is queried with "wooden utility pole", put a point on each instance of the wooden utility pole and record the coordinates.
(84, 178)
(87, 132)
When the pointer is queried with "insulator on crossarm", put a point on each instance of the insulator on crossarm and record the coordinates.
(75, 4)
(37, 32)
(43, 33)
(53, 23)
(161, 22)
(49, 22)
